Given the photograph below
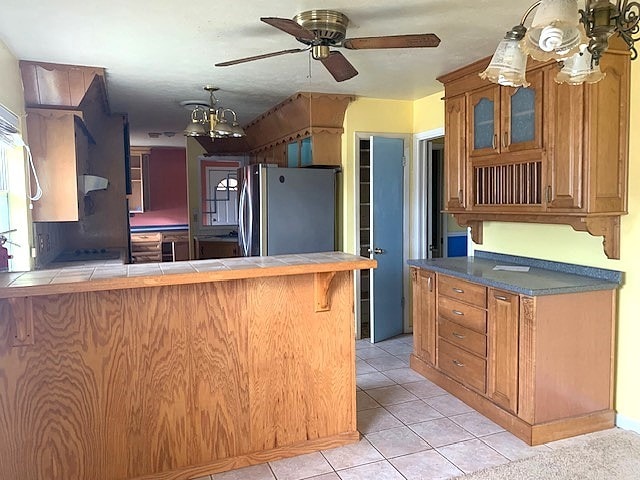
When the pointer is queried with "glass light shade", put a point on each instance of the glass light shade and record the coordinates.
(556, 31)
(196, 129)
(508, 65)
(237, 130)
(223, 129)
(577, 69)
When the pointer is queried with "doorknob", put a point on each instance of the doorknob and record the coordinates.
(377, 251)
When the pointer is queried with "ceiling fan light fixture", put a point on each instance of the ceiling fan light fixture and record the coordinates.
(318, 52)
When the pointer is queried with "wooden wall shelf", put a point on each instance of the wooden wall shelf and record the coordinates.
(319, 116)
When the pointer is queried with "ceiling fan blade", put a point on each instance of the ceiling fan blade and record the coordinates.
(289, 26)
(259, 57)
(339, 67)
(393, 41)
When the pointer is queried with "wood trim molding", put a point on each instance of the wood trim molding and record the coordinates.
(21, 312)
(606, 226)
(321, 286)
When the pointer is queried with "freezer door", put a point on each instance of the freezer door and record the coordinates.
(300, 215)
(252, 229)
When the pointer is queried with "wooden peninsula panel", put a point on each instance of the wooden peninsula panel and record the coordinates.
(176, 381)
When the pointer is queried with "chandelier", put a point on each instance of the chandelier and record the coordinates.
(562, 32)
(210, 120)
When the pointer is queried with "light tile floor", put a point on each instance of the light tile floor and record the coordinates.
(411, 429)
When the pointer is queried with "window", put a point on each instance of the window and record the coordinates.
(14, 194)
(219, 184)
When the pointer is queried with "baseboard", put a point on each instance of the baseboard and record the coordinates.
(627, 423)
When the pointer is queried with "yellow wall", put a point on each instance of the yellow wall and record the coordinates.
(12, 97)
(561, 243)
(366, 115)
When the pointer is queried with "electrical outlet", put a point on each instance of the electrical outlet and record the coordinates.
(47, 242)
(40, 243)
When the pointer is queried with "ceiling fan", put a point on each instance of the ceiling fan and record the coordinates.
(322, 29)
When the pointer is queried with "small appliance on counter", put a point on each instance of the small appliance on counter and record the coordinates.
(286, 210)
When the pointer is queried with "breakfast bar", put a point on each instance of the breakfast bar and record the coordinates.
(175, 370)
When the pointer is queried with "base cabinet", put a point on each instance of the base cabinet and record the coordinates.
(424, 314)
(502, 375)
(541, 367)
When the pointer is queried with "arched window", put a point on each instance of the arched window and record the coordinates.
(229, 183)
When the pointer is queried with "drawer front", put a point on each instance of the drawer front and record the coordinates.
(463, 337)
(462, 366)
(462, 290)
(462, 314)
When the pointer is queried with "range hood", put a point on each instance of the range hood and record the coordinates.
(89, 183)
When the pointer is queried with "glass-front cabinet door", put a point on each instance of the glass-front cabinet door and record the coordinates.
(521, 114)
(484, 121)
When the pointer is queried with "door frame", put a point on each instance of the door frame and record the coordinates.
(407, 147)
(421, 193)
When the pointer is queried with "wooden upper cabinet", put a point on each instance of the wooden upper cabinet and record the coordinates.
(547, 153)
(565, 104)
(51, 84)
(522, 115)
(59, 144)
(607, 135)
(455, 146)
(505, 119)
(484, 121)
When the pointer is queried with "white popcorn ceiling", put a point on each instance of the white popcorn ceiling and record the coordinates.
(158, 53)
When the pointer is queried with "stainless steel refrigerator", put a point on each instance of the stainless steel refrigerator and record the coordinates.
(286, 210)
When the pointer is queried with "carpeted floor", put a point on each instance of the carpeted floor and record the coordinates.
(610, 455)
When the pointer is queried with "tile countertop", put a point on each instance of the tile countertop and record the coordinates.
(543, 278)
(113, 277)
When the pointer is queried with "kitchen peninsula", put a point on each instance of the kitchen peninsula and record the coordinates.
(175, 370)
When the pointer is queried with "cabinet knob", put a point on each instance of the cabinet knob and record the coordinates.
(457, 312)
(457, 363)
(458, 290)
(501, 297)
(457, 335)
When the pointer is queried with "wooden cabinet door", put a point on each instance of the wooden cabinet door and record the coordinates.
(60, 150)
(502, 361)
(484, 121)
(455, 153)
(521, 115)
(564, 189)
(424, 315)
(607, 135)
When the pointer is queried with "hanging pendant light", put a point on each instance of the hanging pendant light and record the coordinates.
(509, 62)
(207, 120)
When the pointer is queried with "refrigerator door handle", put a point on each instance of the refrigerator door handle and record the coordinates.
(241, 218)
(249, 242)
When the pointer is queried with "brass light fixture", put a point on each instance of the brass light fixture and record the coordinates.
(562, 32)
(210, 120)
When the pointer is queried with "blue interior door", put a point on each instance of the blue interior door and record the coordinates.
(387, 183)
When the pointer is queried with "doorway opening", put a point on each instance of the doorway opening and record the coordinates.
(381, 215)
(364, 155)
